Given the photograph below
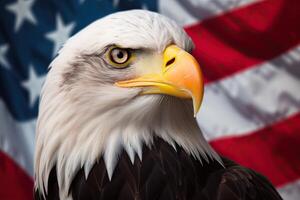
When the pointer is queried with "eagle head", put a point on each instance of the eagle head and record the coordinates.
(116, 85)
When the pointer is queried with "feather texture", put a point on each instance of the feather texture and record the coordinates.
(166, 173)
(80, 106)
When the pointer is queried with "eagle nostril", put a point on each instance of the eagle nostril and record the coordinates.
(170, 62)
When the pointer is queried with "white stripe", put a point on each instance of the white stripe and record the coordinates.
(187, 12)
(290, 191)
(252, 99)
(17, 139)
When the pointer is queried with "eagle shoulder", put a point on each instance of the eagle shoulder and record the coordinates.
(235, 182)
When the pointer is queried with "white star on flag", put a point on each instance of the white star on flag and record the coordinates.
(33, 85)
(61, 34)
(3, 50)
(22, 11)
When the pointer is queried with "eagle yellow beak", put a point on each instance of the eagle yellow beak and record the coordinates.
(180, 76)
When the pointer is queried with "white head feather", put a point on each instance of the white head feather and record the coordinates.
(83, 116)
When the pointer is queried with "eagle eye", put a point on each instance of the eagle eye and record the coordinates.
(119, 57)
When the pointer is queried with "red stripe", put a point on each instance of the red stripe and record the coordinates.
(14, 182)
(245, 37)
(274, 151)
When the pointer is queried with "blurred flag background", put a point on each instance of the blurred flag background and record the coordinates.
(249, 51)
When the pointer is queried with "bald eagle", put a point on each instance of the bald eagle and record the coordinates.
(116, 119)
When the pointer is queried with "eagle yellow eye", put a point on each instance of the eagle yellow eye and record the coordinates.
(119, 56)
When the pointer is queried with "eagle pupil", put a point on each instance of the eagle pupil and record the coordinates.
(120, 54)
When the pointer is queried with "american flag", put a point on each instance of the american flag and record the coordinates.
(249, 51)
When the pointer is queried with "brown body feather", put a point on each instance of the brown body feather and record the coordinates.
(166, 173)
